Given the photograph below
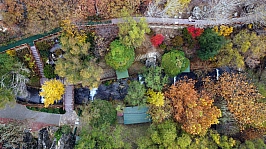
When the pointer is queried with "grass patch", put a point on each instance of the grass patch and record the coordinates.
(130, 133)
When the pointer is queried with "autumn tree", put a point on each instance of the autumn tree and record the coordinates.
(155, 98)
(161, 113)
(223, 30)
(157, 40)
(174, 62)
(169, 8)
(210, 44)
(195, 111)
(114, 7)
(77, 65)
(194, 32)
(131, 32)
(242, 97)
(250, 46)
(52, 91)
(229, 56)
(13, 14)
(120, 57)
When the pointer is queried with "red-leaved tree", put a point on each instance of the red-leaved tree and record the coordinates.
(157, 40)
(195, 32)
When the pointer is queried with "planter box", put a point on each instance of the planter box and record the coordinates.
(134, 115)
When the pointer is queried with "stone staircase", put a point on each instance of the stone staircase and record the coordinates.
(147, 55)
(37, 60)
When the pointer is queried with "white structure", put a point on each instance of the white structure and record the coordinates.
(93, 93)
(140, 79)
(217, 74)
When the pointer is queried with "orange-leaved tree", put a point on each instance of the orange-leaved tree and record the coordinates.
(195, 111)
(243, 99)
(52, 91)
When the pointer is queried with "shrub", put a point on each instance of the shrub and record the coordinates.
(194, 32)
(174, 62)
(223, 30)
(155, 98)
(157, 40)
(135, 95)
(177, 41)
(48, 71)
(210, 44)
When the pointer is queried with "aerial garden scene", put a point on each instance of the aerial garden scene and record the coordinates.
(132, 74)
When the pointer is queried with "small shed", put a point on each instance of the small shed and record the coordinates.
(122, 74)
(134, 115)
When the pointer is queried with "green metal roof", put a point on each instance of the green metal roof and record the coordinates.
(122, 74)
(133, 115)
(28, 40)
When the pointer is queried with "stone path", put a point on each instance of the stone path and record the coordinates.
(68, 98)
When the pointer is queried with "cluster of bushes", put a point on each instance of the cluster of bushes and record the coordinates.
(48, 110)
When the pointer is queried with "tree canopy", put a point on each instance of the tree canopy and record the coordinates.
(132, 33)
(120, 57)
(195, 111)
(210, 44)
(77, 65)
(52, 91)
(174, 62)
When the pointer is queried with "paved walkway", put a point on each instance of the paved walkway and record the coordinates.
(20, 112)
(68, 98)
(33, 118)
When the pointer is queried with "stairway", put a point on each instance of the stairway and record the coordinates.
(38, 60)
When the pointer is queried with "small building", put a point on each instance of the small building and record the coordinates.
(134, 115)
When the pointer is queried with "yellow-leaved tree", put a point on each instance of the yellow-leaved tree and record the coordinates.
(52, 91)
(155, 98)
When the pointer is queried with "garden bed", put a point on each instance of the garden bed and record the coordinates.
(48, 110)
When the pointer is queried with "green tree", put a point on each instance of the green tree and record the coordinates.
(106, 136)
(99, 112)
(120, 57)
(174, 62)
(7, 97)
(48, 71)
(154, 79)
(135, 94)
(132, 33)
(98, 129)
(77, 65)
(162, 135)
(210, 44)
